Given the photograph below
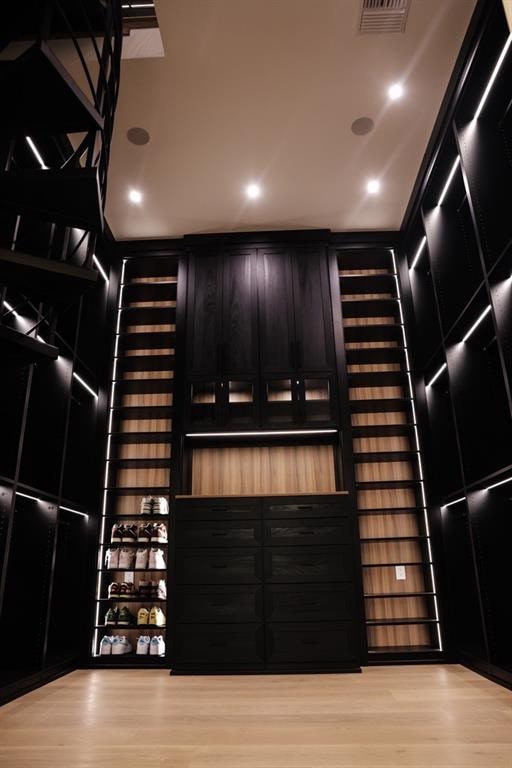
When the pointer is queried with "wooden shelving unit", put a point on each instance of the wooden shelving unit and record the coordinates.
(140, 435)
(399, 590)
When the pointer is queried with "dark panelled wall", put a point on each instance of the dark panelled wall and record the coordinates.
(456, 268)
(52, 451)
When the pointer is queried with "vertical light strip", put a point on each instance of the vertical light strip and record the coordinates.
(107, 461)
(418, 453)
(449, 180)
(36, 153)
(418, 252)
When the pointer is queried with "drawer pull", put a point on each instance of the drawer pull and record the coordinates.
(304, 506)
(218, 565)
(306, 533)
(310, 642)
(219, 533)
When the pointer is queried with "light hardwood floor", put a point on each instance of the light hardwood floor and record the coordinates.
(387, 717)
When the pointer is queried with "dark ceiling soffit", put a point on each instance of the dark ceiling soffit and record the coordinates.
(475, 31)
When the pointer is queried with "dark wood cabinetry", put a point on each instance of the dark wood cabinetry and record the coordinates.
(266, 583)
(260, 338)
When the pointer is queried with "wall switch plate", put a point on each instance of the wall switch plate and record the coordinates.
(400, 572)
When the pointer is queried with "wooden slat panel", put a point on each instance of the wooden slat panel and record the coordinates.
(373, 367)
(162, 328)
(375, 393)
(373, 526)
(147, 399)
(397, 608)
(383, 470)
(144, 451)
(377, 418)
(381, 444)
(145, 425)
(137, 375)
(263, 469)
(135, 478)
(383, 580)
(148, 352)
(416, 634)
(386, 498)
(391, 552)
(379, 320)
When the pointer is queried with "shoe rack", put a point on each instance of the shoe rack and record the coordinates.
(400, 600)
(138, 462)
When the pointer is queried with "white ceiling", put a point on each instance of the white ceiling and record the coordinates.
(267, 90)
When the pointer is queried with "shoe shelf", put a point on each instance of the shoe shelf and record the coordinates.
(400, 606)
(140, 445)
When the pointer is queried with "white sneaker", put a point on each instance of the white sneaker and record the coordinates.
(106, 645)
(141, 559)
(156, 617)
(161, 506)
(120, 646)
(157, 646)
(161, 590)
(112, 559)
(156, 559)
(126, 559)
(143, 644)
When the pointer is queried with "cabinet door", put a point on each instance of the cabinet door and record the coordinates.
(239, 332)
(314, 348)
(204, 314)
(275, 296)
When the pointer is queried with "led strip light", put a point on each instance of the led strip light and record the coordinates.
(107, 460)
(418, 452)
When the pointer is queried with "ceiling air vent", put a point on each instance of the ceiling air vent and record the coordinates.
(383, 16)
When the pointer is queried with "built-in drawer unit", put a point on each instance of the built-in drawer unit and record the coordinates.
(266, 583)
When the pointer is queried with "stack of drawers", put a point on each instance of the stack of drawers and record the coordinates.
(266, 583)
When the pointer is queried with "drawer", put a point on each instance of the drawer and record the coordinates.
(208, 510)
(226, 644)
(310, 602)
(218, 566)
(218, 604)
(339, 508)
(302, 564)
(221, 533)
(307, 531)
(330, 642)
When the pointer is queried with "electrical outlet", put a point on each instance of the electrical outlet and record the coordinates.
(400, 572)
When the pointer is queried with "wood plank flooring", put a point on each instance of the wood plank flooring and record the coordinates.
(387, 717)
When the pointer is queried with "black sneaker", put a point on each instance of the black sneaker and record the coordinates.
(125, 618)
(112, 615)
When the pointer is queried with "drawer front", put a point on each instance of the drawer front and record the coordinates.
(218, 604)
(216, 511)
(325, 643)
(320, 531)
(338, 508)
(303, 564)
(218, 566)
(201, 533)
(306, 602)
(227, 644)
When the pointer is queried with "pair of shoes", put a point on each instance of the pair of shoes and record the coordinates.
(154, 646)
(124, 589)
(121, 618)
(123, 533)
(122, 559)
(153, 590)
(153, 618)
(154, 505)
(150, 532)
(150, 559)
(115, 645)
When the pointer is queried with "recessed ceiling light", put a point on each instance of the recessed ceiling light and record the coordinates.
(373, 186)
(395, 91)
(362, 126)
(253, 191)
(138, 136)
(135, 196)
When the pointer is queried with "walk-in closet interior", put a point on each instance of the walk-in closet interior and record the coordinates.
(257, 449)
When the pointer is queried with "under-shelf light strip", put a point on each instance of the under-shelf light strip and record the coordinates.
(501, 482)
(493, 77)
(420, 250)
(85, 385)
(451, 503)
(477, 323)
(107, 460)
(270, 433)
(436, 375)
(418, 453)
(449, 180)
(61, 506)
(100, 268)
(36, 153)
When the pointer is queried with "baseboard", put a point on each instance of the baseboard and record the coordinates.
(31, 682)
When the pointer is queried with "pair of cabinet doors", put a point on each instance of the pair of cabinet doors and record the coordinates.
(260, 331)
